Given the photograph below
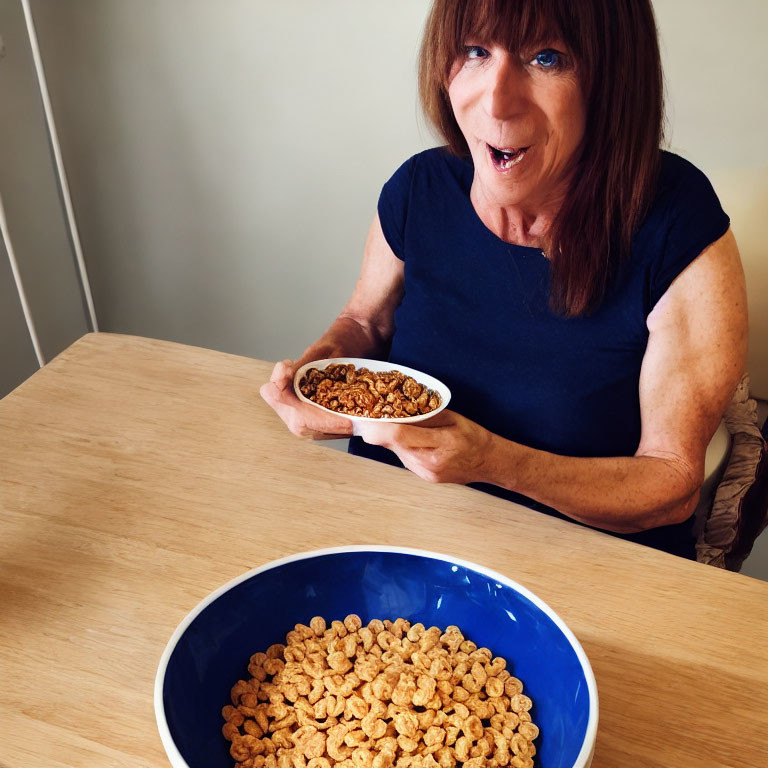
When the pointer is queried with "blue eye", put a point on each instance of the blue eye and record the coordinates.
(549, 59)
(475, 52)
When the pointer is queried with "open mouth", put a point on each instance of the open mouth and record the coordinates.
(504, 159)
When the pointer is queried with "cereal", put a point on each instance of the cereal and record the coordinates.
(361, 392)
(386, 695)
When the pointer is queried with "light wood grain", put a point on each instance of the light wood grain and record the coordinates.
(136, 476)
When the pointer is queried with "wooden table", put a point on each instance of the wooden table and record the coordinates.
(136, 476)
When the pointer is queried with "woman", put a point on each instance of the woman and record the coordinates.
(578, 289)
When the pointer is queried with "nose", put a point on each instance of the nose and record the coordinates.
(505, 89)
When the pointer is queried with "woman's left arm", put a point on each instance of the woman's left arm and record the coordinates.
(695, 358)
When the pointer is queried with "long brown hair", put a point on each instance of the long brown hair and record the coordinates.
(615, 47)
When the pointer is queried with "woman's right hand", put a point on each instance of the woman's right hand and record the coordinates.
(302, 419)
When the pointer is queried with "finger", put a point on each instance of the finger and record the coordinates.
(274, 394)
(287, 413)
(374, 434)
(282, 373)
(395, 436)
(442, 419)
(304, 420)
(423, 472)
(417, 461)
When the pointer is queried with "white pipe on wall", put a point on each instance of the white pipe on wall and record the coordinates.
(63, 184)
(19, 285)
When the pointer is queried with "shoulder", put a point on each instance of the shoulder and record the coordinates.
(430, 180)
(685, 218)
(683, 186)
(432, 165)
(675, 167)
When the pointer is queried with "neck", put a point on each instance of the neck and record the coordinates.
(526, 225)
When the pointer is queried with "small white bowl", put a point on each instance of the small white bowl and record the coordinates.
(377, 366)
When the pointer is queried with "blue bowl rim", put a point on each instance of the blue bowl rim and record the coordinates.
(586, 752)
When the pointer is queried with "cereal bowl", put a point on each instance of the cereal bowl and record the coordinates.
(210, 650)
(377, 366)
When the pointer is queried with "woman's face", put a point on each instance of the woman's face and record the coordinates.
(523, 117)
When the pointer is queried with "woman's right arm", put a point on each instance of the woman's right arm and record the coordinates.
(362, 329)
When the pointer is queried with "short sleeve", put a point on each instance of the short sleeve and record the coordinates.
(694, 219)
(393, 206)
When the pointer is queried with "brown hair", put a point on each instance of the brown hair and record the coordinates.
(615, 47)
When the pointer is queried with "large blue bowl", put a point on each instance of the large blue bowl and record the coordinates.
(210, 649)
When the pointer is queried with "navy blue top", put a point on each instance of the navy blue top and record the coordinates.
(476, 315)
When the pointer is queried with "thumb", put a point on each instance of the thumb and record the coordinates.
(282, 373)
(274, 394)
(267, 392)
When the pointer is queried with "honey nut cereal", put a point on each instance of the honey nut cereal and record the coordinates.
(360, 392)
(377, 696)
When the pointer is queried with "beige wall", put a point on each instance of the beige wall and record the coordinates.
(225, 156)
(35, 217)
(17, 355)
(716, 71)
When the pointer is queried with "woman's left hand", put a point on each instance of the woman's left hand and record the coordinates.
(448, 448)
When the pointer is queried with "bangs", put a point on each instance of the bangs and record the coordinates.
(517, 25)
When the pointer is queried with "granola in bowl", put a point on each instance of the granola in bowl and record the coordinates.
(370, 389)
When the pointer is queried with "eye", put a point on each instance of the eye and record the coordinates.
(549, 59)
(475, 52)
